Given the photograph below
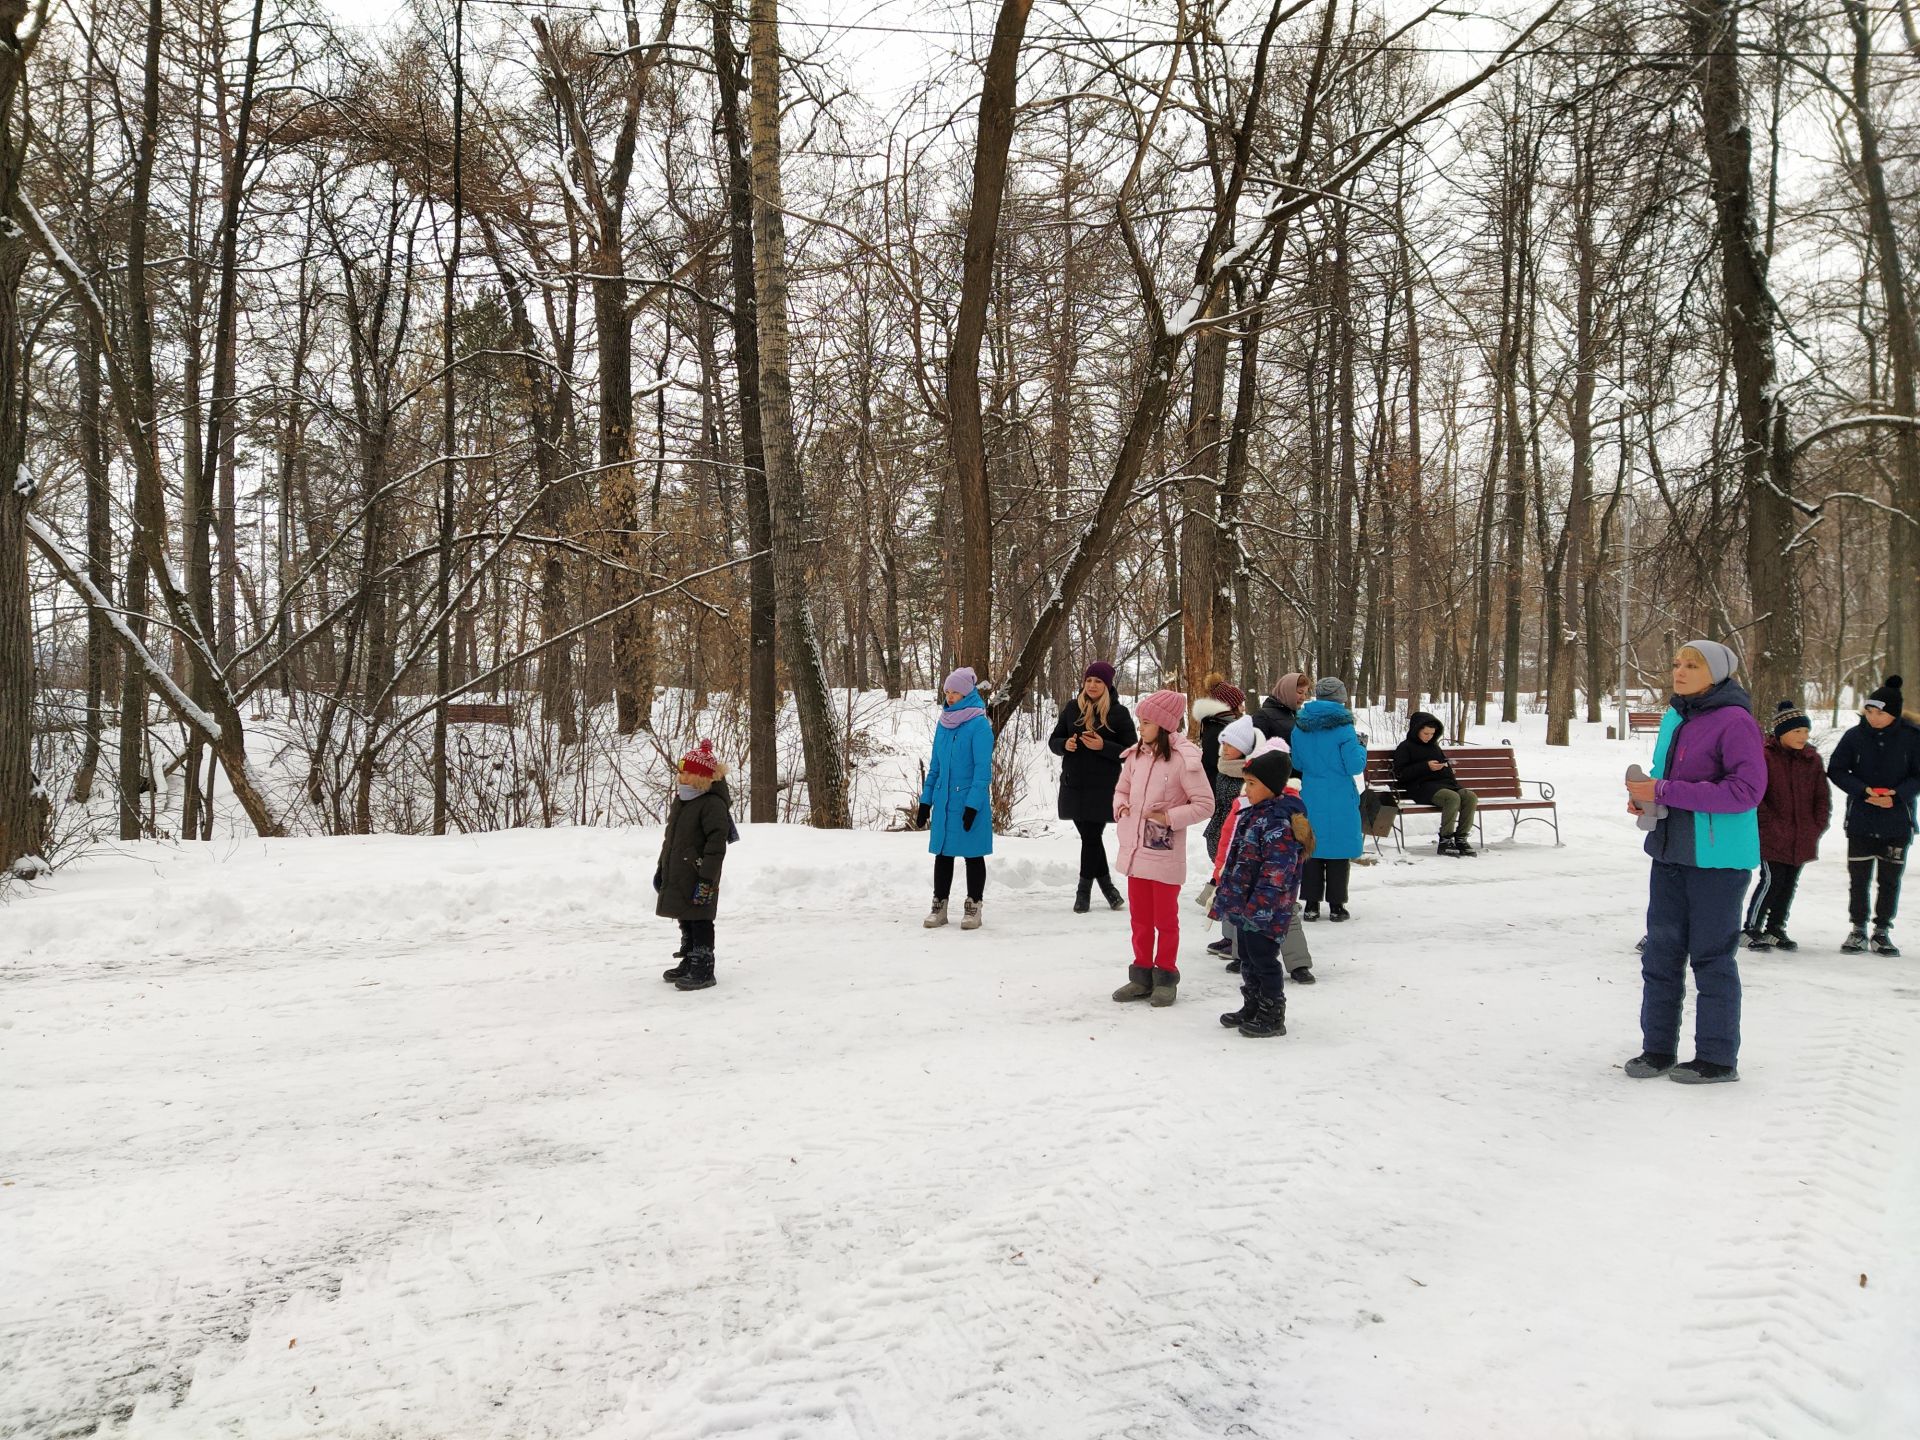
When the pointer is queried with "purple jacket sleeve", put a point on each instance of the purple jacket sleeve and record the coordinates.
(1743, 778)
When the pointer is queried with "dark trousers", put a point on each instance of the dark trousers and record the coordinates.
(1093, 849)
(1260, 963)
(696, 935)
(943, 876)
(1864, 856)
(1693, 914)
(1324, 877)
(1772, 896)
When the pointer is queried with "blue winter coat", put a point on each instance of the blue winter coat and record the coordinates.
(958, 778)
(1326, 756)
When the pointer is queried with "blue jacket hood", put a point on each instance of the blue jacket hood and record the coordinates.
(1323, 715)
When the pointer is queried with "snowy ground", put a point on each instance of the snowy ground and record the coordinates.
(406, 1138)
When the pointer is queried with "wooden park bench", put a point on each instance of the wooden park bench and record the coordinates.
(1644, 722)
(1491, 771)
(479, 713)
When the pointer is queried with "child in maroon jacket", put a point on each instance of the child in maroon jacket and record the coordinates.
(1794, 814)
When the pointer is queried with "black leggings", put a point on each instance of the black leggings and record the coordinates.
(696, 934)
(1327, 877)
(1093, 849)
(943, 876)
(1864, 856)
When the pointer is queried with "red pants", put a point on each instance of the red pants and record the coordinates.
(1154, 907)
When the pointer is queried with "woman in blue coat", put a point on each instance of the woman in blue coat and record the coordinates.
(955, 803)
(1327, 755)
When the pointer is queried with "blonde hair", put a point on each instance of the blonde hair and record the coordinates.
(1100, 707)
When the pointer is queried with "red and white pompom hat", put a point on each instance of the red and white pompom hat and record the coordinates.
(700, 767)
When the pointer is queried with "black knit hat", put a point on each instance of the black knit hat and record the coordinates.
(1789, 716)
(1272, 768)
(1887, 697)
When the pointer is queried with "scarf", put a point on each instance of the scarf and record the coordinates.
(1234, 768)
(970, 708)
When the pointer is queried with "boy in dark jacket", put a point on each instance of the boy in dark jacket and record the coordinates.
(692, 853)
(1794, 814)
(1257, 889)
(1877, 763)
(1421, 770)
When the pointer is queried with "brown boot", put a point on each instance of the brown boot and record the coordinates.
(1166, 985)
(1139, 984)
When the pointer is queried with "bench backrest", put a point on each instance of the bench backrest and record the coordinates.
(479, 713)
(1490, 771)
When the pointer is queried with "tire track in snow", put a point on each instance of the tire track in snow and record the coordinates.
(1777, 1345)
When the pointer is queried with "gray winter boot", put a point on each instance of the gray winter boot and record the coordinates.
(971, 920)
(1166, 984)
(937, 917)
(1139, 983)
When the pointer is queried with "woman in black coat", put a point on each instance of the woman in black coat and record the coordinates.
(1093, 731)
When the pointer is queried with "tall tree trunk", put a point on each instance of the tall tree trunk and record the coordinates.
(994, 138)
(1903, 358)
(1200, 510)
(21, 810)
(1747, 314)
(826, 777)
(763, 691)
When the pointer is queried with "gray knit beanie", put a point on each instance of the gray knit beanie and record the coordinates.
(1328, 688)
(1721, 662)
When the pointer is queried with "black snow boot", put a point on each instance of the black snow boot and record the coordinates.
(677, 971)
(1649, 1063)
(1883, 942)
(1249, 1006)
(1303, 976)
(1445, 847)
(1309, 912)
(698, 967)
(1855, 942)
(1083, 895)
(1337, 912)
(1233, 967)
(1462, 847)
(1114, 900)
(1702, 1072)
(1269, 1018)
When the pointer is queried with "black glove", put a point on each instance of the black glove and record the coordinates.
(967, 817)
(921, 816)
(656, 878)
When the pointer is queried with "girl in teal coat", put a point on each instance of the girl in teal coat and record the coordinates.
(955, 803)
(1327, 754)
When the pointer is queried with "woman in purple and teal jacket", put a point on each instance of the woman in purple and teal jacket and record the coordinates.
(1709, 772)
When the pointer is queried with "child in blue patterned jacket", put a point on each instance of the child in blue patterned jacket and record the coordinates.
(1257, 888)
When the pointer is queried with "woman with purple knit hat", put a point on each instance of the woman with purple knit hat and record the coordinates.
(956, 801)
(1702, 803)
(1093, 732)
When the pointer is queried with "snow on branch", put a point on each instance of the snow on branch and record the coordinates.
(74, 573)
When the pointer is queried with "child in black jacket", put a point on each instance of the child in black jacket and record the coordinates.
(692, 854)
(1421, 770)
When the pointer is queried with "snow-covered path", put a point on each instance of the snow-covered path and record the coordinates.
(406, 1138)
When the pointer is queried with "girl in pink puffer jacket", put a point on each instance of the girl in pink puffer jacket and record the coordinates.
(1163, 792)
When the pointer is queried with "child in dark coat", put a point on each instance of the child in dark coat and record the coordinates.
(1257, 889)
(1794, 814)
(1877, 763)
(1422, 770)
(692, 854)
